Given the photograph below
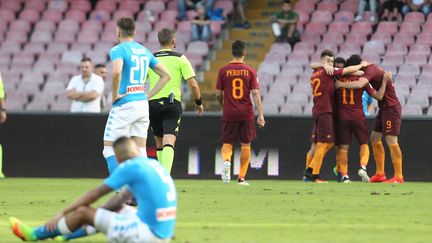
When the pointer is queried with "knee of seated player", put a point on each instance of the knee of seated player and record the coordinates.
(375, 137)
(391, 140)
(141, 142)
(85, 214)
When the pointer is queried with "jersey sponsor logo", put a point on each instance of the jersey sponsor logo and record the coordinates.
(135, 89)
(165, 214)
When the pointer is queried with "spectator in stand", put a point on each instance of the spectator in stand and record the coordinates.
(284, 24)
(85, 90)
(184, 5)
(416, 5)
(391, 10)
(239, 7)
(201, 25)
(372, 8)
(101, 70)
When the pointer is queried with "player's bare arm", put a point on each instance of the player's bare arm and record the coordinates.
(164, 77)
(352, 69)
(258, 103)
(357, 73)
(380, 93)
(116, 77)
(85, 200)
(193, 85)
(116, 202)
(219, 96)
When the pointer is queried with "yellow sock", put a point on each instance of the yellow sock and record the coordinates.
(309, 157)
(379, 155)
(343, 161)
(244, 160)
(364, 155)
(227, 150)
(396, 156)
(320, 152)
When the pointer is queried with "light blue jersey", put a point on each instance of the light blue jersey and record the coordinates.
(154, 191)
(366, 101)
(136, 61)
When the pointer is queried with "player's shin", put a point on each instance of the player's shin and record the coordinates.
(343, 161)
(79, 233)
(379, 155)
(167, 157)
(227, 150)
(396, 156)
(364, 155)
(309, 157)
(244, 160)
(62, 228)
(108, 153)
(320, 152)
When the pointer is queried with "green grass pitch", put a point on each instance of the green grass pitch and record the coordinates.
(267, 211)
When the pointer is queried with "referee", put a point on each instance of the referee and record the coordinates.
(165, 107)
(3, 117)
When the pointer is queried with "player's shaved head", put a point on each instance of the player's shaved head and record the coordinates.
(166, 36)
(125, 148)
(126, 27)
(238, 48)
(353, 60)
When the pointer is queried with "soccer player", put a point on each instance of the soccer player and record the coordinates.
(323, 91)
(129, 113)
(146, 179)
(387, 122)
(165, 106)
(3, 117)
(350, 119)
(235, 82)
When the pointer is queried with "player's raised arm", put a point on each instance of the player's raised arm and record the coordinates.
(164, 77)
(258, 103)
(116, 78)
(380, 93)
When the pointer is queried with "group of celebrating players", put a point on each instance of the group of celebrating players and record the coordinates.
(338, 113)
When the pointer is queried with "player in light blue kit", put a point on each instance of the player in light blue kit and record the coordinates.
(145, 178)
(129, 115)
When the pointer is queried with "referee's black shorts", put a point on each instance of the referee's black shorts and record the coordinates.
(165, 116)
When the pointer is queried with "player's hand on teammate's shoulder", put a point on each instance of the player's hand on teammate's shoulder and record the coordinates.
(329, 69)
(365, 63)
(199, 110)
(261, 121)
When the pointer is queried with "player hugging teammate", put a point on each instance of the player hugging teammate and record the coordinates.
(345, 113)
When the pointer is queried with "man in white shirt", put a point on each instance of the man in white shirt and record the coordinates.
(85, 90)
(101, 70)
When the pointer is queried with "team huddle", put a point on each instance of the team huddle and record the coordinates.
(338, 113)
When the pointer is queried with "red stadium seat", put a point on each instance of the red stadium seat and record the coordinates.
(412, 110)
(362, 27)
(97, 57)
(80, 16)
(83, 47)
(172, 5)
(41, 37)
(20, 25)
(106, 5)
(169, 15)
(155, 6)
(356, 38)
(424, 38)
(147, 15)
(20, 37)
(333, 37)
(299, 59)
(304, 47)
(89, 37)
(409, 69)
(418, 59)
(12, 5)
(45, 25)
(374, 47)
(326, 45)
(404, 38)
(6, 15)
(305, 6)
(287, 77)
(163, 24)
(130, 5)
(407, 79)
(419, 99)
(61, 6)
(53, 15)
(274, 57)
(8, 47)
(101, 15)
(61, 37)
(269, 68)
(92, 25)
(109, 37)
(68, 25)
(350, 48)
(32, 78)
(317, 28)
(388, 27)
(414, 16)
(420, 49)
(310, 37)
(283, 48)
(292, 109)
(30, 15)
(226, 5)
(394, 59)
(183, 37)
(397, 48)
(328, 5)
(338, 27)
(122, 13)
(66, 68)
(349, 6)
(344, 17)
(73, 57)
(81, 5)
(44, 66)
(322, 17)
(372, 57)
(389, 67)
(410, 27)
(198, 47)
(383, 37)
(50, 56)
(303, 18)
(36, 5)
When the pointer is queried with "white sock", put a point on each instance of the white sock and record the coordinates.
(62, 226)
(108, 151)
(143, 152)
(90, 230)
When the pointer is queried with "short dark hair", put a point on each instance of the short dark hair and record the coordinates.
(327, 52)
(353, 60)
(166, 36)
(86, 59)
(287, 2)
(126, 26)
(120, 141)
(339, 60)
(238, 48)
(100, 65)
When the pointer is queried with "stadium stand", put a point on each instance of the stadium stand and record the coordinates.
(42, 41)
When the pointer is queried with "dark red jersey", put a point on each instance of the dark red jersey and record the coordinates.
(237, 80)
(349, 101)
(323, 90)
(374, 74)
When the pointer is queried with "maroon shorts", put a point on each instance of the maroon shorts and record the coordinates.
(233, 130)
(388, 121)
(345, 129)
(323, 129)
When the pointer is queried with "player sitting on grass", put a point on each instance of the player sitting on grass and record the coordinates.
(145, 178)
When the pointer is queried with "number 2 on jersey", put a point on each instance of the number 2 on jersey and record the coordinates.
(140, 67)
(316, 82)
(237, 88)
